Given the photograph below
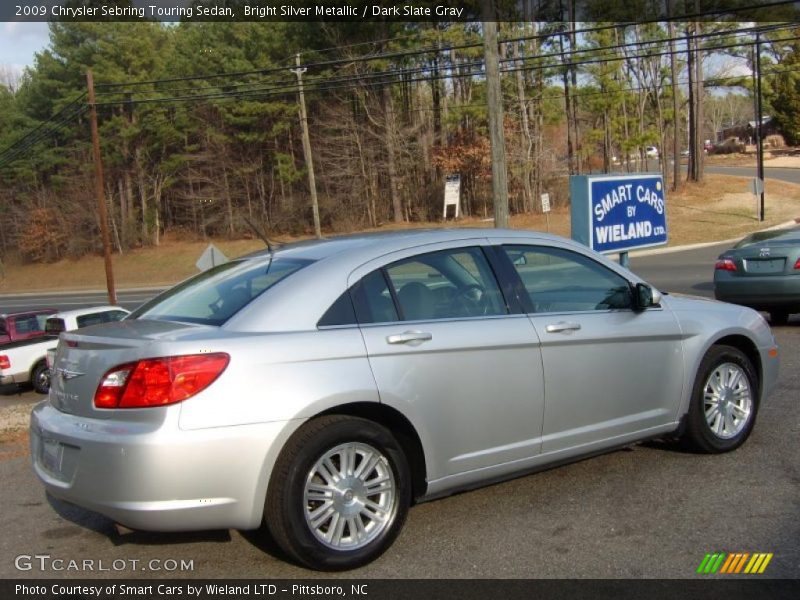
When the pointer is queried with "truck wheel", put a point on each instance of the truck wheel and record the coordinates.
(40, 378)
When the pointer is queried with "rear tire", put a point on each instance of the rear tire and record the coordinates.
(40, 378)
(724, 402)
(778, 317)
(339, 493)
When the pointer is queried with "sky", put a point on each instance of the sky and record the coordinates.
(19, 42)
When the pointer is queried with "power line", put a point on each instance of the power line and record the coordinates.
(327, 83)
(449, 48)
(13, 152)
(286, 84)
(385, 77)
(35, 129)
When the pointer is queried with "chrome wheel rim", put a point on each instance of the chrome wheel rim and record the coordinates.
(350, 496)
(727, 400)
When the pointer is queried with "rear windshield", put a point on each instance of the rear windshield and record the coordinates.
(215, 295)
(791, 236)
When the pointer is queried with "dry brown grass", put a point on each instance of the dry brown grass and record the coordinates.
(718, 209)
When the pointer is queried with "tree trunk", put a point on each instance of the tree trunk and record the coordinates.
(394, 183)
(699, 118)
(228, 202)
(676, 130)
(123, 213)
(527, 200)
(142, 194)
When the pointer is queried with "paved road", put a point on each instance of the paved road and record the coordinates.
(782, 173)
(687, 272)
(129, 299)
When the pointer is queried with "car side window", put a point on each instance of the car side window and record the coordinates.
(340, 313)
(448, 284)
(559, 280)
(372, 299)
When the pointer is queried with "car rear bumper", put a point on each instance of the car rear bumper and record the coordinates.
(761, 293)
(154, 476)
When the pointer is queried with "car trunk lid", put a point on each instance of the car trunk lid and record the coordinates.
(769, 258)
(83, 357)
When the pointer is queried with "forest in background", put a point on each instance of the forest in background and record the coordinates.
(200, 132)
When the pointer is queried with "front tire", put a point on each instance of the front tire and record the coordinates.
(40, 378)
(724, 401)
(339, 493)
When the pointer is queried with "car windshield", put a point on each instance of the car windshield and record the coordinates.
(215, 295)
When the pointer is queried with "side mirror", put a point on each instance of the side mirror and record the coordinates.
(644, 297)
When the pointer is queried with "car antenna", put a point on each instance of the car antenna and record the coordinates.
(259, 232)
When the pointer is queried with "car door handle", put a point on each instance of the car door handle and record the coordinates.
(409, 337)
(562, 327)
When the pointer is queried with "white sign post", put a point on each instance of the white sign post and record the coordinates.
(757, 187)
(452, 195)
(546, 209)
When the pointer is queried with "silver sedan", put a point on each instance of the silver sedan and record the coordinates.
(322, 388)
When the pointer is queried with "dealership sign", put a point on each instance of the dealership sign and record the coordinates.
(617, 213)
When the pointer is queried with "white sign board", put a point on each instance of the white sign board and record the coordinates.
(452, 194)
(545, 203)
(757, 186)
(211, 257)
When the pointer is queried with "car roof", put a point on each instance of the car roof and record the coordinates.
(46, 311)
(79, 312)
(365, 244)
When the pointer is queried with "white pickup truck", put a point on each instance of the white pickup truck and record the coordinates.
(26, 361)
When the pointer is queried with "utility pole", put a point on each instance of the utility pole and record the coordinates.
(312, 182)
(676, 128)
(759, 136)
(495, 99)
(99, 186)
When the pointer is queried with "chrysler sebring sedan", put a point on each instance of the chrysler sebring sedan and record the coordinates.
(323, 388)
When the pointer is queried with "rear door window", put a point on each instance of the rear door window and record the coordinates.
(449, 284)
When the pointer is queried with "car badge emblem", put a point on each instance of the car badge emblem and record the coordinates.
(66, 374)
(763, 252)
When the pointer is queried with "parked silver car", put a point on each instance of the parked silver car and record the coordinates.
(324, 387)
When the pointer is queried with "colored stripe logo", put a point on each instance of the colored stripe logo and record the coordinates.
(735, 563)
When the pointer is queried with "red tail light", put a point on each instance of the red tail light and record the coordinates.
(159, 381)
(725, 264)
(797, 265)
(4, 362)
